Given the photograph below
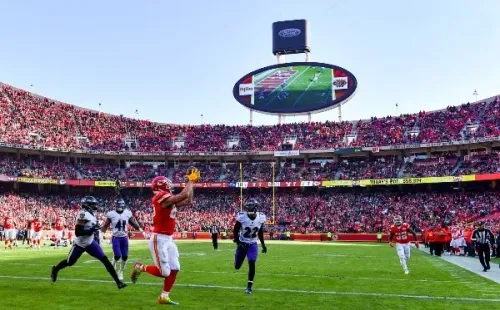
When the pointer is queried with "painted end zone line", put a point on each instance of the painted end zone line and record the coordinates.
(424, 297)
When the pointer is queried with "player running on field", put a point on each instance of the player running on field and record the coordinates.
(163, 249)
(86, 225)
(401, 230)
(249, 225)
(119, 220)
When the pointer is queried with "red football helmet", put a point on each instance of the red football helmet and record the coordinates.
(162, 183)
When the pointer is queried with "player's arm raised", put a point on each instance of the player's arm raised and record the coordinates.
(176, 200)
(185, 197)
(261, 239)
(186, 201)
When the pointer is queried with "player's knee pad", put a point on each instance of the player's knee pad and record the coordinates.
(165, 272)
(124, 258)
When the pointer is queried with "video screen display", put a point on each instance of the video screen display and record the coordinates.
(295, 88)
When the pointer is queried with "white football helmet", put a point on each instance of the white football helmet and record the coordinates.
(398, 220)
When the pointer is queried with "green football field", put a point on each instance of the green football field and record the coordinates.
(302, 90)
(290, 276)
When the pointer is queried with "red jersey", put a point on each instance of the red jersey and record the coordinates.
(401, 232)
(59, 225)
(163, 218)
(37, 225)
(8, 223)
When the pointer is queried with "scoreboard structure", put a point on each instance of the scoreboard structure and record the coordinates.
(296, 88)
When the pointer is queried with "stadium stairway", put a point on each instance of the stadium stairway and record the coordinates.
(459, 163)
(401, 170)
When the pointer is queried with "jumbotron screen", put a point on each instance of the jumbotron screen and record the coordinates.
(295, 88)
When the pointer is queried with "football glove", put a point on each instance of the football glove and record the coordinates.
(264, 249)
(193, 174)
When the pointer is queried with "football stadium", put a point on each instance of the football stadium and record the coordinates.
(105, 209)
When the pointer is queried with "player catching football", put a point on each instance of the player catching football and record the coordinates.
(163, 249)
(401, 230)
(249, 225)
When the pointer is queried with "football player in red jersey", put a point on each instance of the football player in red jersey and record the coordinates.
(163, 249)
(59, 227)
(37, 233)
(401, 230)
(9, 226)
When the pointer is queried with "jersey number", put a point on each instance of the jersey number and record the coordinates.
(250, 232)
(173, 212)
(121, 225)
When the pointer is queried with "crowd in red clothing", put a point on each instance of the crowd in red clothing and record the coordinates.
(294, 211)
(70, 127)
(354, 168)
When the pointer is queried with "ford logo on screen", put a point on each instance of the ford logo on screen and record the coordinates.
(289, 33)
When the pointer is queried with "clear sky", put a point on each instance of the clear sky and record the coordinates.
(176, 60)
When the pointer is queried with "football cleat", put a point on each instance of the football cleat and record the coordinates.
(120, 275)
(165, 300)
(407, 272)
(248, 291)
(121, 285)
(136, 271)
(53, 274)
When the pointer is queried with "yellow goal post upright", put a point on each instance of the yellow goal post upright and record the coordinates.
(273, 201)
(241, 187)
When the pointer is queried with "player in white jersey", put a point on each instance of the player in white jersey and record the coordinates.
(249, 226)
(118, 219)
(86, 226)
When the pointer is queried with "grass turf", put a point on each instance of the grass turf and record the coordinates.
(291, 275)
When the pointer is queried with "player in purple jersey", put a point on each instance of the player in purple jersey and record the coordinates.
(118, 219)
(86, 225)
(249, 225)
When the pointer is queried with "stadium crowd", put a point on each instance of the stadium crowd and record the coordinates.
(294, 211)
(70, 127)
(444, 164)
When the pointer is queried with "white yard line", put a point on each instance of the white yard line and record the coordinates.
(277, 275)
(306, 292)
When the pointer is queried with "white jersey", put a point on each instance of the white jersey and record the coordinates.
(119, 222)
(250, 228)
(85, 241)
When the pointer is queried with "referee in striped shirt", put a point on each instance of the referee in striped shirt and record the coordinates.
(214, 231)
(483, 238)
